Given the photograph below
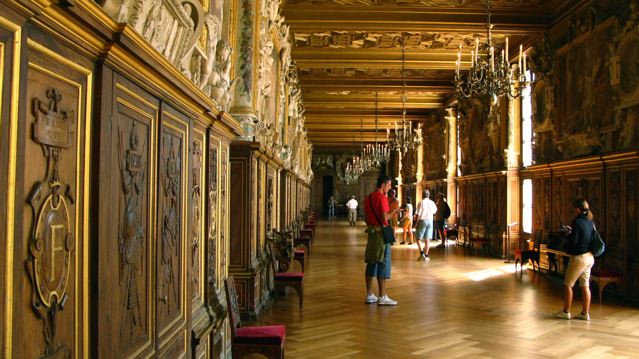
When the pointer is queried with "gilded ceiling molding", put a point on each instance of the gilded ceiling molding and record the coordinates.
(413, 40)
(365, 72)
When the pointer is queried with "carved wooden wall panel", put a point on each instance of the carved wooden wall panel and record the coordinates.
(241, 225)
(49, 295)
(128, 139)
(172, 233)
(609, 183)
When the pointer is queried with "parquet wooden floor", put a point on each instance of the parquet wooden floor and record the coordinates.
(455, 306)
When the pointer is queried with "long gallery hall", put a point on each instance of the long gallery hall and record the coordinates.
(455, 306)
(213, 179)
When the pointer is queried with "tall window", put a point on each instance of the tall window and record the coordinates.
(526, 123)
(527, 204)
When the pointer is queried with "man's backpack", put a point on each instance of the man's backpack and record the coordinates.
(446, 211)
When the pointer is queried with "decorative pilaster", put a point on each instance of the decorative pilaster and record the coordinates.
(451, 167)
(513, 183)
(399, 174)
(419, 176)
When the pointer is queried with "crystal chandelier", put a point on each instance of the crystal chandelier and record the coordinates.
(490, 72)
(375, 154)
(404, 137)
(355, 167)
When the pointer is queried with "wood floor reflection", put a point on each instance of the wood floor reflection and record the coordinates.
(456, 305)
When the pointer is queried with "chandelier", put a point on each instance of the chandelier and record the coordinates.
(490, 72)
(404, 137)
(375, 154)
(355, 167)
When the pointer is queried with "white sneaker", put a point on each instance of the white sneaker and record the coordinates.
(385, 300)
(583, 316)
(562, 315)
(422, 257)
(371, 298)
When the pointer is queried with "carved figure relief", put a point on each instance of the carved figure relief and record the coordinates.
(269, 204)
(168, 292)
(51, 243)
(212, 214)
(131, 238)
(223, 209)
(196, 195)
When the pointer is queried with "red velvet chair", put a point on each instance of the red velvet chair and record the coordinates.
(265, 340)
(287, 279)
(300, 256)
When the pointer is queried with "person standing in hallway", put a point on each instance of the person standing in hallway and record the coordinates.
(424, 222)
(393, 204)
(378, 253)
(407, 222)
(442, 214)
(578, 246)
(352, 211)
(331, 207)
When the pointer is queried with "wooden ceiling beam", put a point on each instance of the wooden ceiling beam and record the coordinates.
(314, 19)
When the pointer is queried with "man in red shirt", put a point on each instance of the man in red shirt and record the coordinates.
(378, 253)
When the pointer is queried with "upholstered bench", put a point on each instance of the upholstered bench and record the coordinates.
(604, 277)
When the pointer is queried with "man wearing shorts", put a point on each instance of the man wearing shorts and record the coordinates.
(424, 221)
(378, 253)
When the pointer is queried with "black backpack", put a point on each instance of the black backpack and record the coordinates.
(446, 211)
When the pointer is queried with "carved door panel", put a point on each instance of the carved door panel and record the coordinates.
(173, 294)
(48, 297)
(125, 299)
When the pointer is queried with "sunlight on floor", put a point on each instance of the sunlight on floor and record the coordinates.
(489, 273)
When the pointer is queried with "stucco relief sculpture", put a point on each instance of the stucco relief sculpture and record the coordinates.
(174, 28)
(219, 85)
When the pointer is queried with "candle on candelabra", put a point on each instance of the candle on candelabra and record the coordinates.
(519, 61)
(492, 58)
(524, 64)
(503, 57)
(476, 48)
(507, 55)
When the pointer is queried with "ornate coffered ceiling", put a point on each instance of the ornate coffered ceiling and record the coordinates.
(347, 50)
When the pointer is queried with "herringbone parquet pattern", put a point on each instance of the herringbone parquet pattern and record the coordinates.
(455, 306)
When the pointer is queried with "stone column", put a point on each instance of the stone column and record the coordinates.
(451, 168)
